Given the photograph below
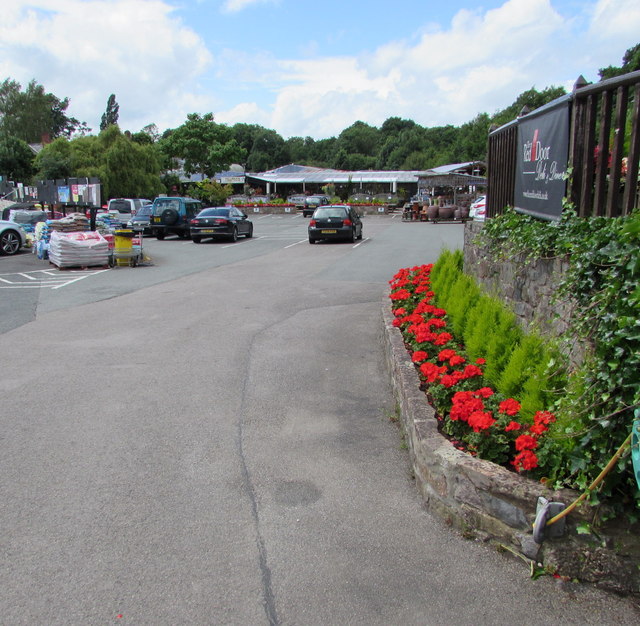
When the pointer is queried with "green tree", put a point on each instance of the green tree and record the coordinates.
(630, 63)
(16, 159)
(205, 146)
(55, 160)
(129, 170)
(33, 115)
(531, 99)
(211, 192)
(110, 116)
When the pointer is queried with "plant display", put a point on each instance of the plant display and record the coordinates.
(602, 398)
(476, 416)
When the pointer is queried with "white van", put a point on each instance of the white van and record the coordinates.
(126, 206)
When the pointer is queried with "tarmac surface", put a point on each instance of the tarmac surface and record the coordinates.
(217, 447)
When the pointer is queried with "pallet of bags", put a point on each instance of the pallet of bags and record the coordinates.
(79, 249)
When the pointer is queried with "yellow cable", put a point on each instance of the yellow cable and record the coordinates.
(595, 483)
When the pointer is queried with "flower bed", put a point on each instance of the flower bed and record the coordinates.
(471, 413)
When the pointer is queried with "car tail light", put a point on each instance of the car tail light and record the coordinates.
(347, 222)
(222, 221)
(194, 222)
(312, 223)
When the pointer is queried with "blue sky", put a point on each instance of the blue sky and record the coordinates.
(308, 68)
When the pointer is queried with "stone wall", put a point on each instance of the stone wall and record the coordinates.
(528, 287)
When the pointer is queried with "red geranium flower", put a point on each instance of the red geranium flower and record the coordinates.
(526, 442)
(479, 420)
(538, 429)
(513, 426)
(544, 417)
(484, 392)
(456, 359)
(446, 354)
(509, 407)
(419, 355)
(526, 460)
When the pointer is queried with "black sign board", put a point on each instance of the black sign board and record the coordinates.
(543, 148)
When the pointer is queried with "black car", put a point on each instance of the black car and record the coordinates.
(312, 203)
(214, 222)
(142, 219)
(335, 222)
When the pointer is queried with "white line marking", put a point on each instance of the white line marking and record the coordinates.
(297, 243)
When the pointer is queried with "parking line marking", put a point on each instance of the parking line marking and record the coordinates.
(297, 243)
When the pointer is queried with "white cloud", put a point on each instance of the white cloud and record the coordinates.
(615, 18)
(88, 50)
(233, 6)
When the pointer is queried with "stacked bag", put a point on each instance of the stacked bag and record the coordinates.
(78, 249)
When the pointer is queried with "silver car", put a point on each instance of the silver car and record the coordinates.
(12, 237)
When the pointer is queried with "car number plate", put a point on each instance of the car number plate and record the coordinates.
(328, 232)
(208, 230)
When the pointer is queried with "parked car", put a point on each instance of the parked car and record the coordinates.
(12, 237)
(173, 215)
(127, 205)
(478, 208)
(216, 222)
(335, 222)
(311, 203)
(141, 221)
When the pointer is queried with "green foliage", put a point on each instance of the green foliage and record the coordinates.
(205, 146)
(630, 63)
(110, 116)
(33, 114)
(211, 192)
(603, 395)
(16, 158)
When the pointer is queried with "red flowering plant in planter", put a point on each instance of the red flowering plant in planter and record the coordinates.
(474, 416)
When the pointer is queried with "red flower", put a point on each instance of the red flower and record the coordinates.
(526, 460)
(513, 426)
(484, 392)
(481, 361)
(479, 420)
(456, 359)
(432, 372)
(509, 407)
(401, 294)
(442, 339)
(544, 417)
(400, 312)
(446, 354)
(449, 380)
(526, 442)
(419, 355)
(538, 429)
(397, 323)
(472, 370)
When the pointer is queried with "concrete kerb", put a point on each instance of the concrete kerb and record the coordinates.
(487, 502)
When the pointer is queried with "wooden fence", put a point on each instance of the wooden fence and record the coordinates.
(604, 150)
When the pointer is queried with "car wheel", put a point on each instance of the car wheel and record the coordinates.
(360, 235)
(10, 242)
(249, 232)
(311, 240)
(234, 234)
(184, 235)
(195, 239)
(159, 236)
(352, 237)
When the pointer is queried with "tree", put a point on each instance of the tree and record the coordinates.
(55, 160)
(211, 192)
(129, 170)
(202, 144)
(110, 116)
(33, 115)
(16, 159)
(630, 63)
(532, 99)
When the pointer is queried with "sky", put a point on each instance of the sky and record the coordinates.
(303, 68)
